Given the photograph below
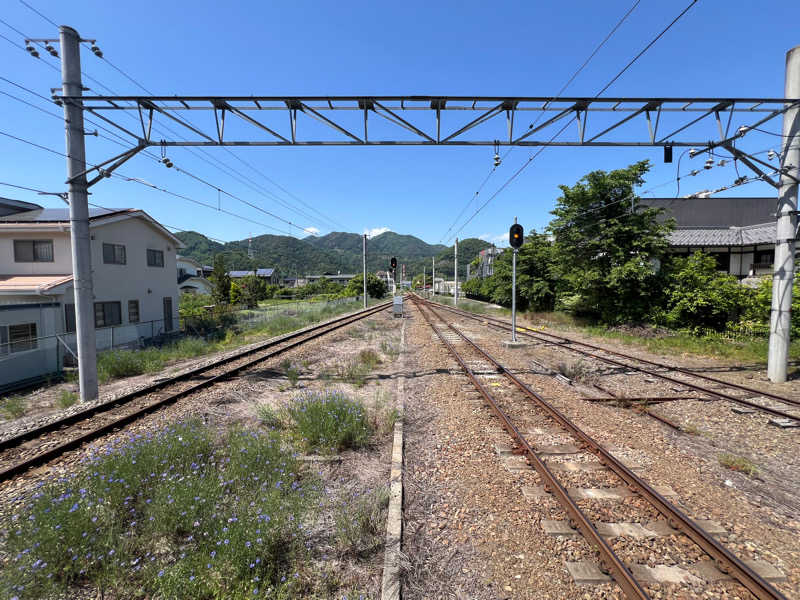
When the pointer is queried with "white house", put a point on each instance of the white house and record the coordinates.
(135, 289)
(190, 277)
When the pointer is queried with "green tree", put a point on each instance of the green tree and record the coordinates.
(193, 305)
(607, 247)
(252, 290)
(221, 281)
(701, 297)
(535, 281)
(757, 313)
(235, 293)
(376, 288)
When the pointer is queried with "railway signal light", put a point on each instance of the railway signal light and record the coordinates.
(515, 235)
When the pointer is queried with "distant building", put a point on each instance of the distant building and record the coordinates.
(135, 289)
(270, 275)
(738, 232)
(191, 278)
(342, 278)
(488, 257)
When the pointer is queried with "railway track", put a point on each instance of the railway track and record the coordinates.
(724, 390)
(511, 402)
(45, 443)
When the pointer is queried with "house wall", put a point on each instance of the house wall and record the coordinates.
(45, 358)
(62, 257)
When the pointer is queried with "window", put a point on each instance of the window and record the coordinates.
(114, 254)
(69, 318)
(17, 338)
(33, 250)
(155, 258)
(107, 314)
(765, 257)
(133, 311)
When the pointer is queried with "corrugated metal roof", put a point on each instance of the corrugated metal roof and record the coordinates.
(719, 236)
(258, 272)
(56, 215)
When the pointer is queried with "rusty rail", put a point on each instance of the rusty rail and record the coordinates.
(725, 560)
(571, 344)
(43, 457)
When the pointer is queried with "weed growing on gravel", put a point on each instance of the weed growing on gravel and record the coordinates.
(384, 413)
(369, 358)
(390, 350)
(13, 407)
(360, 522)
(576, 371)
(328, 421)
(738, 463)
(66, 399)
(170, 514)
(269, 417)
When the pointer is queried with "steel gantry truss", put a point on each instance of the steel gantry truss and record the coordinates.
(276, 120)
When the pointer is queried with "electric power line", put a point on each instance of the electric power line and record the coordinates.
(613, 79)
(558, 95)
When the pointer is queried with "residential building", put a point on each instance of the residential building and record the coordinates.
(738, 232)
(135, 289)
(191, 278)
(270, 275)
(343, 278)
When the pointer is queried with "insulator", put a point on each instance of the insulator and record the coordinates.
(98, 53)
(771, 154)
(709, 163)
(34, 53)
(51, 50)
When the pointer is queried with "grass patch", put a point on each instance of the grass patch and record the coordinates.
(169, 515)
(738, 463)
(360, 523)
(291, 371)
(269, 416)
(328, 422)
(13, 407)
(115, 364)
(390, 350)
(66, 399)
(384, 413)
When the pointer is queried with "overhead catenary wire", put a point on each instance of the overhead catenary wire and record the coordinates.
(558, 95)
(265, 192)
(613, 79)
(148, 184)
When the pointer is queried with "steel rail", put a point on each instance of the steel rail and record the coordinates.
(570, 344)
(725, 560)
(609, 560)
(125, 398)
(52, 453)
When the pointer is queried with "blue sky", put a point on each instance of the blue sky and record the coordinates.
(721, 48)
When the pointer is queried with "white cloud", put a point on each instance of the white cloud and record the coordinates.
(312, 230)
(494, 239)
(376, 231)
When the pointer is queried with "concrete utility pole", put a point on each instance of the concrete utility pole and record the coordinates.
(79, 214)
(433, 276)
(786, 231)
(364, 259)
(455, 281)
(423, 281)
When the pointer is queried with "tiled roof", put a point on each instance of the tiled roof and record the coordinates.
(723, 236)
(31, 283)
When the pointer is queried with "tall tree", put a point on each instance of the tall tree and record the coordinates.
(607, 246)
(220, 280)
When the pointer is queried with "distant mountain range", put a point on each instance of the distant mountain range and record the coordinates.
(336, 252)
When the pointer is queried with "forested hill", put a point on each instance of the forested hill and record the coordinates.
(331, 253)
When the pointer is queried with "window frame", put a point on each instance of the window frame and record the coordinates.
(28, 342)
(132, 303)
(105, 319)
(152, 252)
(34, 254)
(115, 259)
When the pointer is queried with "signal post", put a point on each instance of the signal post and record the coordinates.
(515, 239)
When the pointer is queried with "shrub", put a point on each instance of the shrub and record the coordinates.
(700, 297)
(13, 407)
(168, 515)
(328, 421)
